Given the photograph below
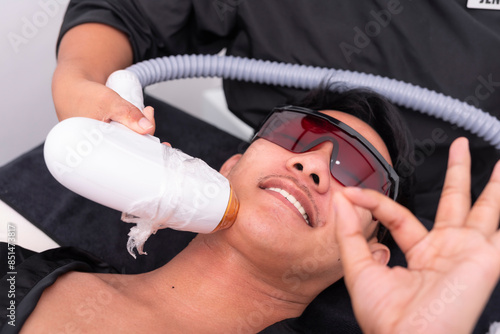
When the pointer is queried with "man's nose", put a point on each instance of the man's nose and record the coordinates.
(313, 166)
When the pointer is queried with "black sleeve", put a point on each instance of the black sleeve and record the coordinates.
(158, 28)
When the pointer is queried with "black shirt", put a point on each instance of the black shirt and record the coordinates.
(441, 45)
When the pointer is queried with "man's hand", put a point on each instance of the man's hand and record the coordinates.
(452, 269)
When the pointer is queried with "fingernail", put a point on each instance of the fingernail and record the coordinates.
(352, 190)
(145, 124)
(149, 111)
(335, 201)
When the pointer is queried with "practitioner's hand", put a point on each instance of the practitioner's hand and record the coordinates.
(86, 98)
(451, 270)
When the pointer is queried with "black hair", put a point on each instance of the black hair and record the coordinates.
(384, 117)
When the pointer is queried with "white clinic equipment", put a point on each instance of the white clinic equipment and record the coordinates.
(154, 185)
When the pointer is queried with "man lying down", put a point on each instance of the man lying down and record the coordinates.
(314, 155)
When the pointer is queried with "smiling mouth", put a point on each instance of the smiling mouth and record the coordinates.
(294, 201)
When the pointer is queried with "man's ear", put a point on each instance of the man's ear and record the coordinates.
(380, 252)
(229, 164)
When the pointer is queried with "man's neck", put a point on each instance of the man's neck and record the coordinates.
(210, 286)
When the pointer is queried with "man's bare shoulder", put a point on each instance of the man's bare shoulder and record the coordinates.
(80, 302)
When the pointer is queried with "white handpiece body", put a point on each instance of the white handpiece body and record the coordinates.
(136, 174)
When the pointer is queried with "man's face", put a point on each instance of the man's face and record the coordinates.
(286, 216)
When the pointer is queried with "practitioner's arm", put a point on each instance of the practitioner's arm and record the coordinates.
(87, 55)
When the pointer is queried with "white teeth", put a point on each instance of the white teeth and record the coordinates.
(294, 201)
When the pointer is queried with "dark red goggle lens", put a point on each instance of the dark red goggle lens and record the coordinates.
(351, 164)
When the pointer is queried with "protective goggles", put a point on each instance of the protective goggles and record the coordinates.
(354, 161)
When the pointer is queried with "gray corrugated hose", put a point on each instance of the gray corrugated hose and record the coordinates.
(404, 94)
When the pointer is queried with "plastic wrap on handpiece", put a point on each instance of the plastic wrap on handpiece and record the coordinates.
(193, 198)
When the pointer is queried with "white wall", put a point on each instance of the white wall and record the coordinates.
(28, 31)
